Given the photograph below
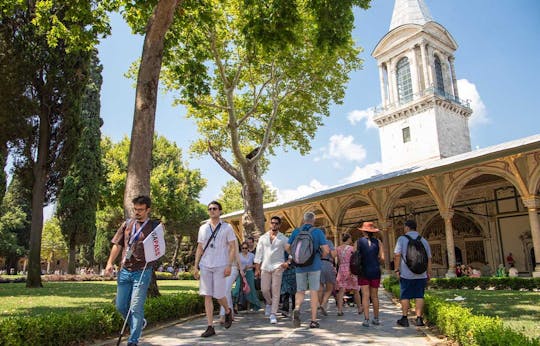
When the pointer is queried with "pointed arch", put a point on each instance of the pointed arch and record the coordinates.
(398, 192)
(457, 184)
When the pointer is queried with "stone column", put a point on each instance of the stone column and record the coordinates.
(429, 65)
(415, 80)
(425, 64)
(383, 85)
(533, 205)
(454, 80)
(392, 92)
(450, 247)
(388, 252)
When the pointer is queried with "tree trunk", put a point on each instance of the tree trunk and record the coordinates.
(253, 219)
(39, 171)
(153, 289)
(177, 243)
(72, 256)
(142, 133)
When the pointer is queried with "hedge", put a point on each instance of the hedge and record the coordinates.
(487, 283)
(93, 323)
(459, 324)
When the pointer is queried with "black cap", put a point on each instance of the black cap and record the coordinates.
(411, 224)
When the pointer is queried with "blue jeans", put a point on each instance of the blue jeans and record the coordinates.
(130, 292)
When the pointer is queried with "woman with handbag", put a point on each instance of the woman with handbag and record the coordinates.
(229, 280)
(246, 296)
(345, 280)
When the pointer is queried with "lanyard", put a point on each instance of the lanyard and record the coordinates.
(135, 235)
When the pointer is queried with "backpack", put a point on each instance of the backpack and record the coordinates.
(302, 249)
(417, 258)
(355, 264)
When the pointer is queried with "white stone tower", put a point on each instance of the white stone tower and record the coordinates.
(421, 117)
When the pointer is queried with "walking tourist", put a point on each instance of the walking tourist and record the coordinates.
(135, 274)
(269, 265)
(372, 256)
(345, 280)
(412, 283)
(214, 257)
(308, 276)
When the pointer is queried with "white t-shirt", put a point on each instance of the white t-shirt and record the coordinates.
(217, 252)
(246, 260)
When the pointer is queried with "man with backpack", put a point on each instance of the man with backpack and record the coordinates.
(306, 245)
(412, 258)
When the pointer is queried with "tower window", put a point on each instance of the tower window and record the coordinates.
(439, 76)
(406, 132)
(404, 83)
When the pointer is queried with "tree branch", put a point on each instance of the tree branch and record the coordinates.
(216, 155)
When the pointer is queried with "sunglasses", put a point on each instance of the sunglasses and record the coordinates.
(244, 248)
(274, 223)
(213, 208)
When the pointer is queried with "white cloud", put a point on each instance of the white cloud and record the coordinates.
(365, 172)
(357, 116)
(343, 148)
(302, 190)
(468, 91)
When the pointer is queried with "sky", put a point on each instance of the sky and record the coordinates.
(497, 66)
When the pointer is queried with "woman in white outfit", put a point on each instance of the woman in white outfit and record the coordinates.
(229, 280)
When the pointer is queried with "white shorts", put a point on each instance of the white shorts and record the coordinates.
(213, 282)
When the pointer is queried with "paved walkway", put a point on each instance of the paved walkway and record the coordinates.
(253, 328)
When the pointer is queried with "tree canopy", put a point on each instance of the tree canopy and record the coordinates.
(258, 76)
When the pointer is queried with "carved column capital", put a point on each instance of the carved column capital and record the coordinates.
(531, 202)
(447, 213)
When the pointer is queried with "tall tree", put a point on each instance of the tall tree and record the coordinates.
(53, 40)
(53, 244)
(260, 75)
(15, 219)
(142, 133)
(77, 201)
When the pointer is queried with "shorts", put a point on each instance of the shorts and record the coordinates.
(412, 288)
(328, 273)
(375, 283)
(213, 282)
(311, 278)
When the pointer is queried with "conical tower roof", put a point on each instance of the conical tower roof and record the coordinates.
(410, 12)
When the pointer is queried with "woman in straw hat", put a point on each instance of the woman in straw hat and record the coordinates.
(371, 250)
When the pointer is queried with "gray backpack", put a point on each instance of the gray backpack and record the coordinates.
(302, 248)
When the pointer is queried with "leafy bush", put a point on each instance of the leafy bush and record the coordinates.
(90, 324)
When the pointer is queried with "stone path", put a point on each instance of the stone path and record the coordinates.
(253, 328)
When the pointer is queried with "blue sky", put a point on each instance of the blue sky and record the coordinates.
(497, 65)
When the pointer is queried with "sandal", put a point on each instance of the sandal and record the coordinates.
(340, 313)
(314, 324)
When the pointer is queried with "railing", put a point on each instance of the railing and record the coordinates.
(432, 90)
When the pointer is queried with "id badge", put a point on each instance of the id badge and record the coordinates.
(129, 252)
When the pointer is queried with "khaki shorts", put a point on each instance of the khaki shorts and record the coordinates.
(213, 282)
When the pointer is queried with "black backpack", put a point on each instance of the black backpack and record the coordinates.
(355, 264)
(417, 258)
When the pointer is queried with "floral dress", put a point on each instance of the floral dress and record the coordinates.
(344, 277)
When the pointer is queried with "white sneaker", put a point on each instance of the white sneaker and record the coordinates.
(267, 310)
(273, 319)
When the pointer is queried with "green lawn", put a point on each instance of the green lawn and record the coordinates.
(17, 300)
(518, 310)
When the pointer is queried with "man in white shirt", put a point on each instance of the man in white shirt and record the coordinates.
(214, 256)
(270, 264)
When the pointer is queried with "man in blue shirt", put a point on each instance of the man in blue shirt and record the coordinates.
(411, 285)
(309, 276)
